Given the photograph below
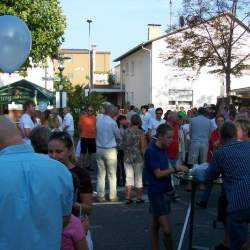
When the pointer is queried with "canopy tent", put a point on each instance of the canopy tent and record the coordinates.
(21, 91)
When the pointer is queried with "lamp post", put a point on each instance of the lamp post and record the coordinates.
(61, 60)
(61, 68)
(89, 21)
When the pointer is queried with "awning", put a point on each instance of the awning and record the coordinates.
(21, 91)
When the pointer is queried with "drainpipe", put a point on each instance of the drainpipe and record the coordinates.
(150, 73)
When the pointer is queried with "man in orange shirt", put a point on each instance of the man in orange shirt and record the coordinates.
(87, 131)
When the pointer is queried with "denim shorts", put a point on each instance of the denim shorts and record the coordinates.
(160, 204)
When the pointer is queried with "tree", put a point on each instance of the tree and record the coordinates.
(111, 79)
(76, 99)
(217, 31)
(45, 21)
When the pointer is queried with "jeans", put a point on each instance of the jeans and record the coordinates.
(238, 228)
(106, 162)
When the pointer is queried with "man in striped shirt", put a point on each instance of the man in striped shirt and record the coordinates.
(232, 161)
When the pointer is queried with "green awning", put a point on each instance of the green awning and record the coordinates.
(21, 91)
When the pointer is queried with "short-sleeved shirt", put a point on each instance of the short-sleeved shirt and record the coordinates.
(68, 121)
(72, 233)
(154, 124)
(131, 145)
(156, 158)
(173, 149)
(200, 128)
(35, 193)
(145, 121)
(26, 123)
(87, 125)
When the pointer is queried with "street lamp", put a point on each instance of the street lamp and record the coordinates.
(89, 21)
(61, 69)
(61, 60)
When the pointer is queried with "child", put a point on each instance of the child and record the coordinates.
(73, 236)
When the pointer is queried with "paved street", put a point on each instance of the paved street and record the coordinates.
(123, 227)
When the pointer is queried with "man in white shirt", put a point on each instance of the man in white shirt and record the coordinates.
(154, 123)
(151, 110)
(145, 117)
(107, 133)
(26, 123)
(68, 122)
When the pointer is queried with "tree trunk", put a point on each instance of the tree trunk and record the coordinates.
(228, 87)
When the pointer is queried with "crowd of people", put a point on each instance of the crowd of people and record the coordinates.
(46, 187)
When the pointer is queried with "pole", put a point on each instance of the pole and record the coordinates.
(61, 91)
(170, 14)
(191, 220)
(89, 21)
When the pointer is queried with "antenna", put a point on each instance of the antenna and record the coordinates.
(170, 14)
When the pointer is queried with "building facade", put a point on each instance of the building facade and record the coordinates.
(77, 68)
(148, 78)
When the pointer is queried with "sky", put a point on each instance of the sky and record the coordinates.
(118, 25)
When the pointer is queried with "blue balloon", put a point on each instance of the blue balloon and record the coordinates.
(15, 43)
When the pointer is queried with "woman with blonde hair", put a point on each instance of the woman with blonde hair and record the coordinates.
(53, 123)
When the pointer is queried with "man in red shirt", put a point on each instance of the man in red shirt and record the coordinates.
(173, 148)
(87, 131)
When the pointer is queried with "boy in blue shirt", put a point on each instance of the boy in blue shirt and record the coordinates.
(159, 178)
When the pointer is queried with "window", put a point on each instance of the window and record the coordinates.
(132, 68)
(171, 102)
(127, 69)
(71, 76)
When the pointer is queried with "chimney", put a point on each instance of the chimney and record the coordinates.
(181, 21)
(154, 31)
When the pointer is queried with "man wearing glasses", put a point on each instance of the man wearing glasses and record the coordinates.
(154, 123)
(87, 131)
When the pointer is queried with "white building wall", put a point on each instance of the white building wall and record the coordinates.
(166, 76)
(34, 75)
(206, 87)
(135, 74)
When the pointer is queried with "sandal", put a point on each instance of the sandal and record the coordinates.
(140, 201)
(128, 201)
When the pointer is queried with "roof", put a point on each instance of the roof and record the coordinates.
(139, 47)
(242, 91)
(81, 51)
(23, 90)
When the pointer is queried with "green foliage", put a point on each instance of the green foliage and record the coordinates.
(111, 79)
(76, 99)
(45, 21)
